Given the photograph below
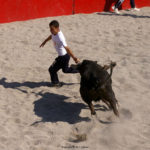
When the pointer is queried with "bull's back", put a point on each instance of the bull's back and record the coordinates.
(90, 85)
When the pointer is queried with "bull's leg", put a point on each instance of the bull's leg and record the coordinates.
(92, 108)
(107, 103)
(110, 97)
(117, 103)
(113, 103)
(114, 97)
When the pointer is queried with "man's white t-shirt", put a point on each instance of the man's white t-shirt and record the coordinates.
(59, 43)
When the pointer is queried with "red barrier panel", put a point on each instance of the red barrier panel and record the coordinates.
(13, 10)
(89, 6)
(17, 10)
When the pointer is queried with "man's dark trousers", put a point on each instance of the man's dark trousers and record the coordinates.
(61, 62)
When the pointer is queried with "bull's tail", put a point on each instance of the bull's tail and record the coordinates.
(111, 66)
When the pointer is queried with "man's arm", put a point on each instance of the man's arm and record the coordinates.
(46, 40)
(71, 54)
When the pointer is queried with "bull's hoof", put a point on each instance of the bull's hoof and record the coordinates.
(93, 113)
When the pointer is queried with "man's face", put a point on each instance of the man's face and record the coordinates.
(54, 30)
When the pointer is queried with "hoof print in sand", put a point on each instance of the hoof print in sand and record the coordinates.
(78, 137)
(126, 113)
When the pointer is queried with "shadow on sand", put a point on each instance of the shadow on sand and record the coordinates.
(123, 14)
(53, 108)
(16, 85)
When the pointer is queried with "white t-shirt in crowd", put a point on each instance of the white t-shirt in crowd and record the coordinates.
(59, 43)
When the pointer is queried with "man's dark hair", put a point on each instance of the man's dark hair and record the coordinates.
(54, 23)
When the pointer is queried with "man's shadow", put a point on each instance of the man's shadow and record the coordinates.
(53, 108)
(17, 85)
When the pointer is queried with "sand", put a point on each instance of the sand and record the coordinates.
(34, 116)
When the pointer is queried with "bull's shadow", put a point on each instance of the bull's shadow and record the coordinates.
(53, 108)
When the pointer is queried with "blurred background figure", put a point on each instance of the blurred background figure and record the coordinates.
(118, 4)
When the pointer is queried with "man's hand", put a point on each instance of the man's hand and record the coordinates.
(42, 45)
(76, 60)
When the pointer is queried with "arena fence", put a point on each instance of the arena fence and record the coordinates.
(18, 10)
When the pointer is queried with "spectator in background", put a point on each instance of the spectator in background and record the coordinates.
(118, 4)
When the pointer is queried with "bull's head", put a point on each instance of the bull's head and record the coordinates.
(85, 64)
(82, 66)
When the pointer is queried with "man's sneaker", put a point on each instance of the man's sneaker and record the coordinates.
(113, 7)
(135, 9)
(115, 10)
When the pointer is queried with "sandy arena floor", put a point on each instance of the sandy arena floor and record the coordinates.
(34, 116)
